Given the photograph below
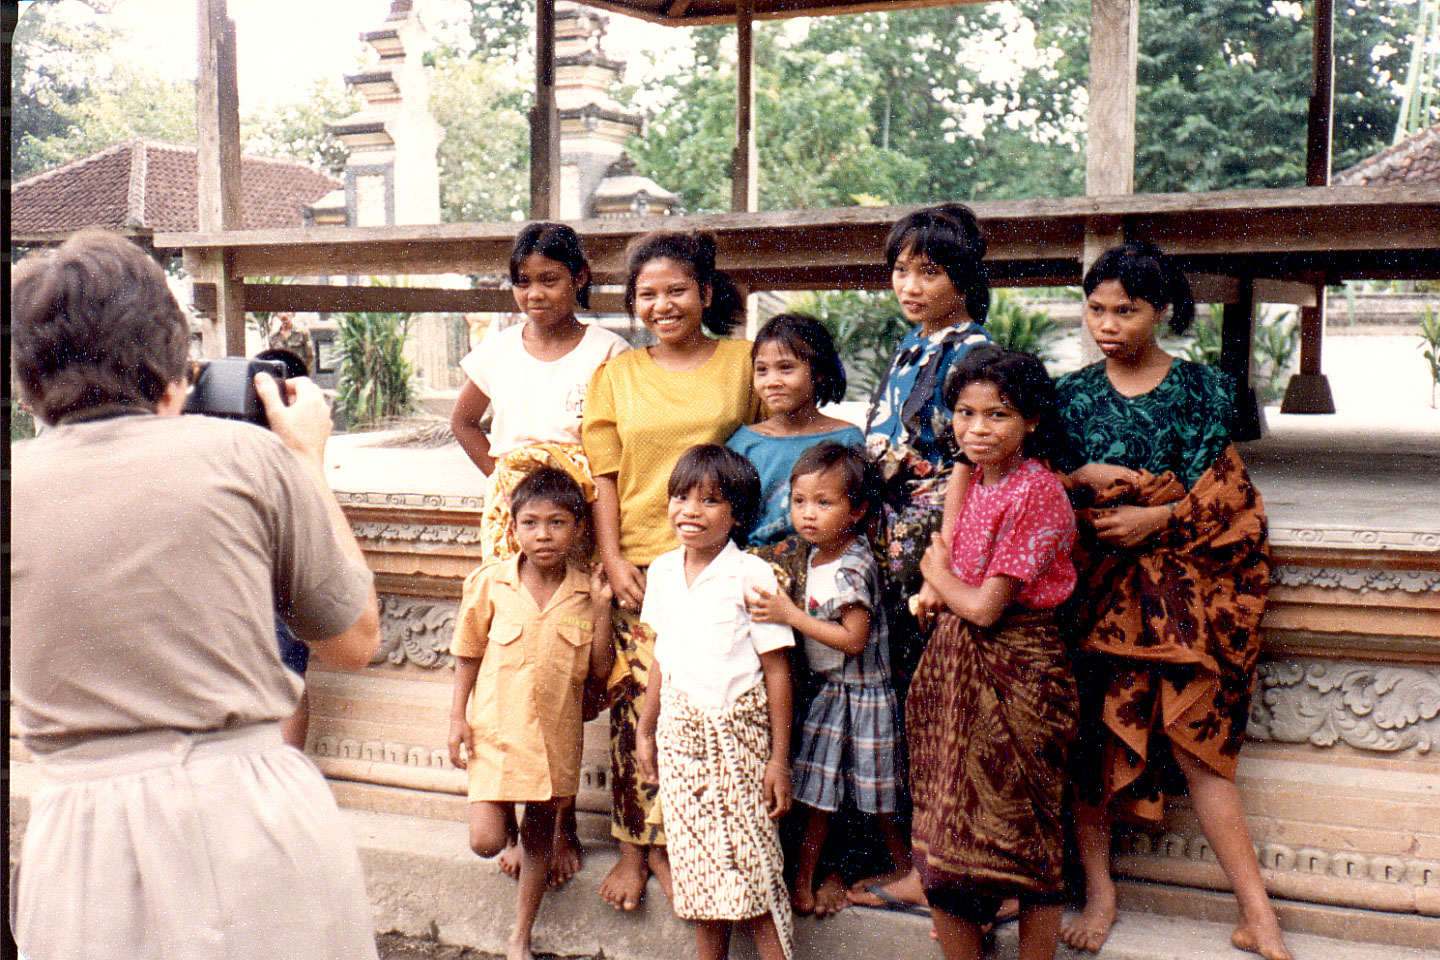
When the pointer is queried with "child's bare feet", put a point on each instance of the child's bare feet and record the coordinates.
(1091, 928)
(802, 900)
(658, 860)
(509, 860)
(831, 897)
(518, 949)
(1262, 938)
(568, 856)
(902, 888)
(624, 885)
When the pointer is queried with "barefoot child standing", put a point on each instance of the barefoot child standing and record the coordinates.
(529, 631)
(850, 741)
(715, 726)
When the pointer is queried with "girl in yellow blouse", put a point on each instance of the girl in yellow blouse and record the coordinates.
(529, 631)
(644, 408)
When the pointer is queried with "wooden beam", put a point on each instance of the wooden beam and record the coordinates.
(744, 161)
(1320, 124)
(1236, 330)
(217, 185)
(324, 298)
(1110, 117)
(544, 120)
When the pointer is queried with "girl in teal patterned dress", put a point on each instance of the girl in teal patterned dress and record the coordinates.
(1167, 615)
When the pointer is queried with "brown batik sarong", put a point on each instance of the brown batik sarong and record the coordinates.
(630, 800)
(1169, 635)
(724, 849)
(990, 715)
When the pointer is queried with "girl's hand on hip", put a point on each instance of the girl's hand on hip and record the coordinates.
(1097, 476)
(935, 562)
(627, 582)
(461, 736)
(1129, 526)
(645, 758)
(776, 786)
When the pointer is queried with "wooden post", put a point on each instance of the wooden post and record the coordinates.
(1110, 121)
(1309, 390)
(217, 166)
(744, 162)
(1236, 331)
(544, 120)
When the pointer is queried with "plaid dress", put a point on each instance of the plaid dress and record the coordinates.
(849, 745)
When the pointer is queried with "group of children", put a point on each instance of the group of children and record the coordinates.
(781, 607)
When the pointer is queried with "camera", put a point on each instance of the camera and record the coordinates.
(225, 387)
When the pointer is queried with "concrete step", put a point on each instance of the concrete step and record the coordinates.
(424, 881)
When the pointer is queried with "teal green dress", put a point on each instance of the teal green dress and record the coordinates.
(1182, 425)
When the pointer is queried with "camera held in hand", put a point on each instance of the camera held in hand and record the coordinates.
(225, 387)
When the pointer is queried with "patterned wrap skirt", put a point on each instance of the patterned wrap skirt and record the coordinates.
(991, 716)
(724, 848)
(633, 818)
(497, 525)
(1168, 636)
(207, 846)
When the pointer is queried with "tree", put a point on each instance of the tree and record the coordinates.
(485, 156)
(297, 130)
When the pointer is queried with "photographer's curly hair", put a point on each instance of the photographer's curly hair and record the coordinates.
(94, 323)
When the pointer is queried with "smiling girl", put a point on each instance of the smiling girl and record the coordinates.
(643, 410)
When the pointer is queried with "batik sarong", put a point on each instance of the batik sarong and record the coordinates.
(631, 802)
(497, 525)
(990, 717)
(724, 849)
(1169, 634)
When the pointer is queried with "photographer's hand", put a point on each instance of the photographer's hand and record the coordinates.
(303, 424)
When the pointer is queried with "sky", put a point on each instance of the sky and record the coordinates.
(284, 44)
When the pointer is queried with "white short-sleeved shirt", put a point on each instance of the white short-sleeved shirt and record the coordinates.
(536, 401)
(705, 642)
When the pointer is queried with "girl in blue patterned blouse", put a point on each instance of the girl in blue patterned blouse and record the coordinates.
(849, 742)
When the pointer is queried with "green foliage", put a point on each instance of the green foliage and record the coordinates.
(866, 327)
(297, 130)
(22, 422)
(1274, 343)
(376, 381)
(485, 156)
(1204, 345)
(1015, 325)
(502, 29)
(1430, 347)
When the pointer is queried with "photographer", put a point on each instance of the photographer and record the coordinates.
(150, 552)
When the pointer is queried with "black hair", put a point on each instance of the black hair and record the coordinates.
(808, 340)
(94, 323)
(950, 236)
(1024, 383)
(1146, 274)
(695, 252)
(861, 479)
(729, 472)
(554, 241)
(552, 486)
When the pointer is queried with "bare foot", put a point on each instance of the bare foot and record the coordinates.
(803, 900)
(658, 860)
(1009, 910)
(1090, 929)
(907, 888)
(624, 885)
(518, 950)
(568, 857)
(1269, 943)
(883, 879)
(509, 860)
(831, 898)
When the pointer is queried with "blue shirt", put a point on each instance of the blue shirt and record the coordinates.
(774, 458)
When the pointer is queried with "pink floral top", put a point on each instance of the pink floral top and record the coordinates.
(1022, 527)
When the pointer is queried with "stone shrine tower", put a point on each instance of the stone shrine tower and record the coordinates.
(596, 178)
(392, 176)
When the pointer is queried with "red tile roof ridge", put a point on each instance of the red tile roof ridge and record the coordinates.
(183, 148)
(1402, 154)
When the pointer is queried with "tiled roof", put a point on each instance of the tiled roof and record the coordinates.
(1415, 159)
(149, 186)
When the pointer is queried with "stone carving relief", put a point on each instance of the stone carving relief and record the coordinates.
(1340, 864)
(415, 630)
(425, 501)
(375, 751)
(392, 532)
(1355, 538)
(1358, 579)
(1384, 709)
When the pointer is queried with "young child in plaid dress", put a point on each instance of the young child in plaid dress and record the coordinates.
(849, 743)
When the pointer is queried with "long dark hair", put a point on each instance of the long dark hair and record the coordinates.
(949, 235)
(808, 340)
(1146, 274)
(554, 241)
(1025, 384)
(695, 252)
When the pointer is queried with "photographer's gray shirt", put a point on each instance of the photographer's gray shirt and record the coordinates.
(148, 554)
